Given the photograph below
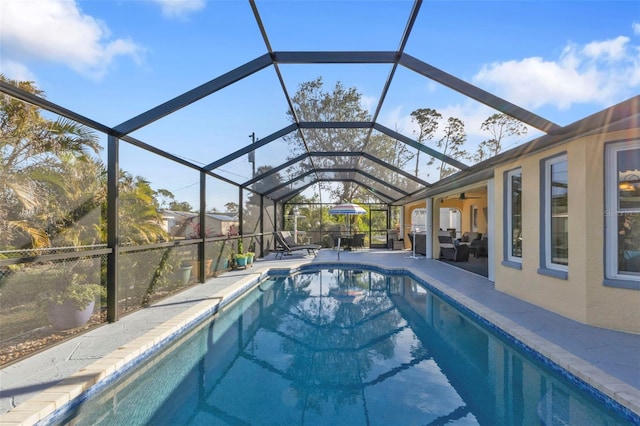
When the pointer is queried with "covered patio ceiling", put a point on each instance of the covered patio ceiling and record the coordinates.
(305, 168)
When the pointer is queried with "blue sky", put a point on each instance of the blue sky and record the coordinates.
(112, 60)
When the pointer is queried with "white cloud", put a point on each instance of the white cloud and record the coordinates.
(58, 31)
(599, 72)
(636, 27)
(613, 50)
(472, 114)
(180, 8)
(432, 86)
(397, 119)
(369, 103)
(16, 70)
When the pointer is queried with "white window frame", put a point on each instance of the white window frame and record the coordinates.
(509, 204)
(612, 211)
(547, 212)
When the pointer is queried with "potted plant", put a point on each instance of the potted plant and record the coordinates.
(207, 267)
(195, 264)
(250, 256)
(183, 274)
(70, 299)
(241, 260)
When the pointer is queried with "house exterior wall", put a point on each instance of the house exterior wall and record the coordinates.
(582, 295)
(408, 209)
(465, 207)
(214, 227)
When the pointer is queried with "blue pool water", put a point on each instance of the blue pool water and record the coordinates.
(342, 347)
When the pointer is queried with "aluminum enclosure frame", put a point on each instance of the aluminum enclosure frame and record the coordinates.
(274, 59)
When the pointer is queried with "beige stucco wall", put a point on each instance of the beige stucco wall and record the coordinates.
(582, 296)
(408, 209)
(465, 208)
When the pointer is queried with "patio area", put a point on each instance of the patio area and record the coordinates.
(603, 358)
(477, 265)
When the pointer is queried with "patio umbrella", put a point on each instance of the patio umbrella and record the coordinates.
(347, 209)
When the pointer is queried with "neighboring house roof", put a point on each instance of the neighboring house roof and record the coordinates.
(226, 217)
(178, 214)
(223, 217)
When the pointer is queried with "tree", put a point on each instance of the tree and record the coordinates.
(500, 127)
(232, 207)
(312, 103)
(428, 120)
(32, 150)
(166, 200)
(180, 206)
(451, 144)
(74, 206)
(53, 191)
(140, 221)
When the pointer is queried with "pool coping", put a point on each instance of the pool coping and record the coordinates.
(74, 389)
(87, 380)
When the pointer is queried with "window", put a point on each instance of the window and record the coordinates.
(474, 218)
(554, 253)
(622, 214)
(513, 216)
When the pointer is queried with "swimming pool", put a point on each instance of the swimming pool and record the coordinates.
(342, 346)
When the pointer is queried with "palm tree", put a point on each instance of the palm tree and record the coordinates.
(140, 221)
(31, 148)
(74, 209)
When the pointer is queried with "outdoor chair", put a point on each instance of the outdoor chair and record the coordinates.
(283, 248)
(469, 237)
(420, 241)
(480, 246)
(450, 249)
(357, 241)
(288, 238)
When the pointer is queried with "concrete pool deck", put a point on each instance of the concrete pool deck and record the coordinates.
(32, 389)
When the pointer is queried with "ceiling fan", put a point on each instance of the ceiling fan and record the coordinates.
(463, 197)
